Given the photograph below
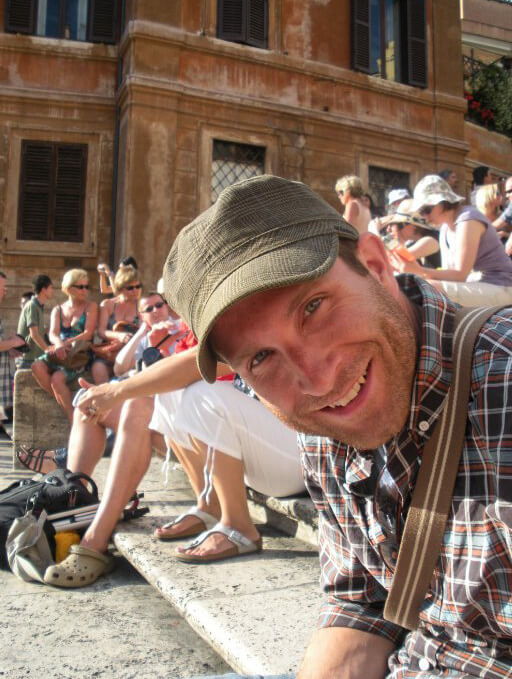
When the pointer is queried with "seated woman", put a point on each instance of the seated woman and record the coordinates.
(476, 270)
(73, 320)
(408, 229)
(123, 307)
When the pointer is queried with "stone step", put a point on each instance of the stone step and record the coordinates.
(256, 611)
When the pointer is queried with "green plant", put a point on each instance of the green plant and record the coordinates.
(490, 97)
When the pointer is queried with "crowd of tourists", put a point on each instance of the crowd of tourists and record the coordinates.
(272, 368)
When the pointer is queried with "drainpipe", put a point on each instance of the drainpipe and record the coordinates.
(115, 159)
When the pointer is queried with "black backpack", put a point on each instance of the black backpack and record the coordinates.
(55, 492)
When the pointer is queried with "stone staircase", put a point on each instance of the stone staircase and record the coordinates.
(256, 611)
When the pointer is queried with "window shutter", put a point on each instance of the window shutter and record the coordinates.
(103, 20)
(69, 192)
(416, 43)
(257, 22)
(20, 16)
(35, 189)
(361, 35)
(231, 20)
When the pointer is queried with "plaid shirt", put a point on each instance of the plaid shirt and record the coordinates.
(466, 618)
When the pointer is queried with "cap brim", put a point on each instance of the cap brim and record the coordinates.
(292, 264)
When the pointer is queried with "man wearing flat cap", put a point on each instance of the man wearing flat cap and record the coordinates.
(359, 361)
(312, 317)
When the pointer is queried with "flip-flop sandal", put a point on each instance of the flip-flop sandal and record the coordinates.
(34, 458)
(205, 521)
(81, 567)
(241, 546)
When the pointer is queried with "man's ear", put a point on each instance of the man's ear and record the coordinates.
(372, 253)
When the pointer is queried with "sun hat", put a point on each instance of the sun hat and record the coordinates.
(397, 194)
(404, 214)
(262, 233)
(432, 190)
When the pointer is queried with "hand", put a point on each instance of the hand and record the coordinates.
(400, 265)
(124, 337)
(104, 268)
(97, 400)
(17, 341)
(58, 351)
(159, 332)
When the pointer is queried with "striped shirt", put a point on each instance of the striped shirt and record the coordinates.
(466, 618)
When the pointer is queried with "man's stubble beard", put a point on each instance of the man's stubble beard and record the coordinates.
(395, 327)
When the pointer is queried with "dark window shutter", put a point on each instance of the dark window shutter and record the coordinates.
(257, 22)
(361, 35)
(70, 179)
(103, 21)
(52, 191)
(416, 43)
(20, 16)
(231, 20)
(35, 191)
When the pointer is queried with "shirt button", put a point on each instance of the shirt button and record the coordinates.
(423, 425)
(424, 664)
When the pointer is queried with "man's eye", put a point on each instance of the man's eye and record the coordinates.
(258, 358)
(312, 306)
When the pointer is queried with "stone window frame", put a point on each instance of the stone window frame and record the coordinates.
(88, 246)
(207, 136)
(411, 166)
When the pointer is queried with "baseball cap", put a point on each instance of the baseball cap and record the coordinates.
(398, 194)
(261, 233)
(432, 190)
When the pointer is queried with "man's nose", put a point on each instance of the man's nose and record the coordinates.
(315, 375)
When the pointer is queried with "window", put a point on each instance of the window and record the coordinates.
(389, 40)
(381, 181)
(244, 21)
(233, 162)
(52, 191)
(90, 20)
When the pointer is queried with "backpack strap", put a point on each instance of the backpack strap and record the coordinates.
(432, 497)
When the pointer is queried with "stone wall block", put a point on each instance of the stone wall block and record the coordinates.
(38, 420)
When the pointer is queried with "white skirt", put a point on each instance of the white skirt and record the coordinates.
(476, 293)
(233, 423)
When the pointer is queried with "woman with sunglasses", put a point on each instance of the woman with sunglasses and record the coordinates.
(475, 268)
(73, 320)
(408, 229)
(122, 309)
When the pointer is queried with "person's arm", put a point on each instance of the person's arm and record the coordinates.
(424, 247)
(175, 372)
(351, 212)
(54, 332)
(125, 359)
(344, 653)
(11, 343)
(35, 336)
(508, 246)
(467, 240)
(105, 282)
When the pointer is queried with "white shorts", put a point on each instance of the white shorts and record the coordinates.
(476, 293)
(235, 424)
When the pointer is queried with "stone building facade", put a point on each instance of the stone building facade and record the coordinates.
(192, 94)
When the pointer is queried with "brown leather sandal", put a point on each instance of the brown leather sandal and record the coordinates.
(34, 458)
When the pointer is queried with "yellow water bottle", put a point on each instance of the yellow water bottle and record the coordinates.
(63, 542)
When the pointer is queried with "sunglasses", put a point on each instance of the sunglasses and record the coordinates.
(150, 308)
(81, 287)
(507, 192)
(387, 503)
(133, 287)
(426, 210)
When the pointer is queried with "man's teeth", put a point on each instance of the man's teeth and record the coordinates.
(350, 396)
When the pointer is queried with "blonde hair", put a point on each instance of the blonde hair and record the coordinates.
(71, 277)
(350, 182)
(486, 195)
(124, 276)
